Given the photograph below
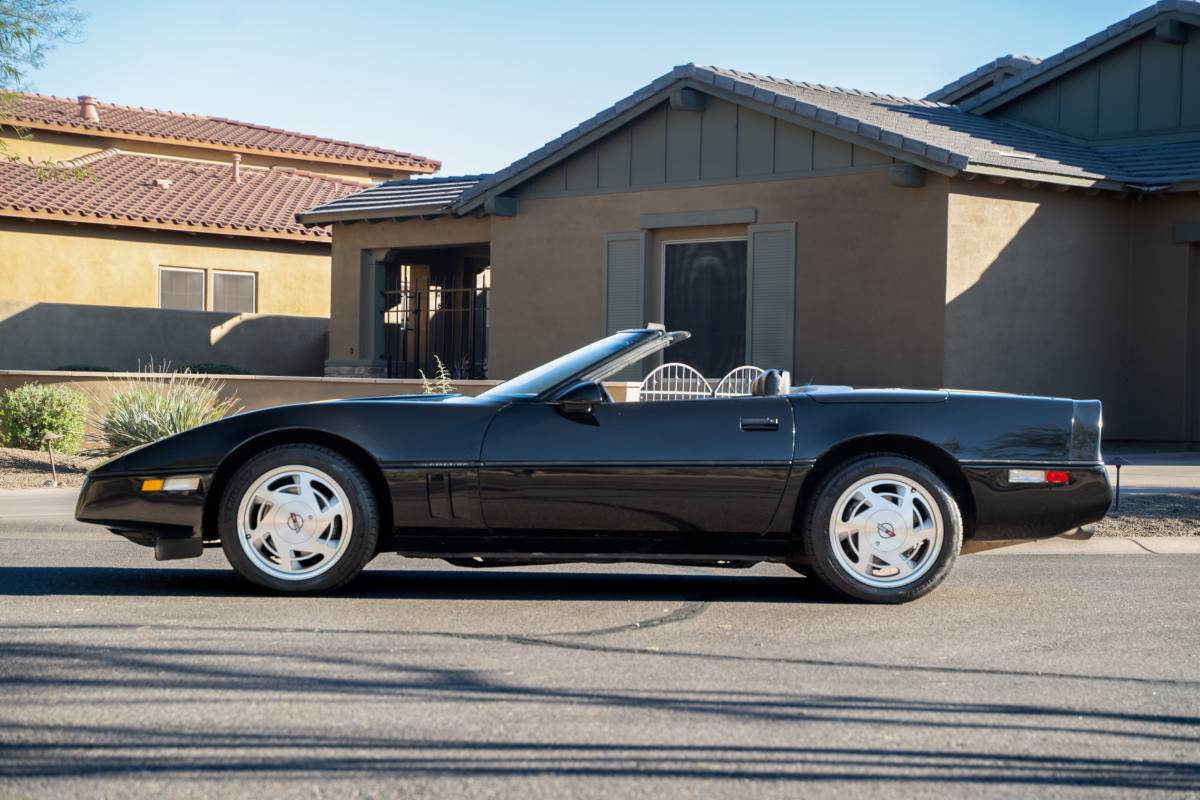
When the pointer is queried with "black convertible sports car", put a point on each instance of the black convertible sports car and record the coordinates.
(873, 492)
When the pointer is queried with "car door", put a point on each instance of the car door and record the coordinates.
(687, 466)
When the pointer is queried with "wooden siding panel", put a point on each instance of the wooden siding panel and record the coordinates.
(718, 140)
(864, 157)
(793, 148)
(1118, 92)
(552, 180)
(1189, 113)
(582, 170)
(648, 161)
(771, 296)
(755, 143)
(683, 146)
(613, 155)
(830, 153)
(1158, 87)
(1078, 96)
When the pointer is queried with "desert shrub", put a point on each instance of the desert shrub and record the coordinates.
(205, 368)
(82, 368)
(158, 404)
(30, 411)
(440, 383)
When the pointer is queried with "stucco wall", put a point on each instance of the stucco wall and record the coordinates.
(1035, 290)
(60, 263)
(50, 335)
(870, 271)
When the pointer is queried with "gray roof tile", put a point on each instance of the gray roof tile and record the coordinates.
(430, 195)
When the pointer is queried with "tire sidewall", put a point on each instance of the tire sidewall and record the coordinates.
(819, 548)
(364, 534)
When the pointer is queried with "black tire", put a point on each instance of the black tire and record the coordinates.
(824, 564)
(364, 534)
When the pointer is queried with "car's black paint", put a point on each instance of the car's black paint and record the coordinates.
(707, 479)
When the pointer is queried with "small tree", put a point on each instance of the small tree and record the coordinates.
(28, 30)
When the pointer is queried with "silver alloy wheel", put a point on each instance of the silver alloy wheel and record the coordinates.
(886, 531)
(294, 522)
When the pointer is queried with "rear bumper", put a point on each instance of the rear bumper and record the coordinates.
(1023, 511)
(170, 522)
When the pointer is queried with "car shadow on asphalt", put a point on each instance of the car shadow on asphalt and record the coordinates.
(448, 584)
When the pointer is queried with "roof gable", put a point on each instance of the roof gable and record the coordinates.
(982, 78)
(1167, 19)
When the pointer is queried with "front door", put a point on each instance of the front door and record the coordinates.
(668, 467)
(704, 289)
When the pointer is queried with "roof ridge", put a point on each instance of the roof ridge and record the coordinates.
(16, 113)
(822, 87)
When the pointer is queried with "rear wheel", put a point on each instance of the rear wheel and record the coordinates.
(299, 518)
(882, 528)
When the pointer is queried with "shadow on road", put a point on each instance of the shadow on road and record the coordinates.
(451, 583)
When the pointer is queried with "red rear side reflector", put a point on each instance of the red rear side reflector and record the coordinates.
(1057, 476)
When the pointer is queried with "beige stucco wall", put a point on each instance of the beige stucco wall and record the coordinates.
(852, 231)
(60, 263)
(1035, 290)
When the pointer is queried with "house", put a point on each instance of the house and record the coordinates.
(1033, 226)
(153, 213)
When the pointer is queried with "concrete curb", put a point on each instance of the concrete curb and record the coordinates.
(1103, 546)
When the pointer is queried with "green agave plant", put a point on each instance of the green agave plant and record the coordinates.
(160, 403)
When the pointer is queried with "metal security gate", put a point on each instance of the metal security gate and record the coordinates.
(423, 319)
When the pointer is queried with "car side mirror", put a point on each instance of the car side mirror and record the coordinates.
(580, 398)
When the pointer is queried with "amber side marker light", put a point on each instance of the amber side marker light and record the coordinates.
(1052, 476)
(187, 483)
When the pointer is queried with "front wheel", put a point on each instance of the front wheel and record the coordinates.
(882, 528)
(299, 518)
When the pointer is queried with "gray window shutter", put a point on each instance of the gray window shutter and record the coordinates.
(771, 296)
(624, 284)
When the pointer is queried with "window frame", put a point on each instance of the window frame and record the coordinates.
(203, 287)
(253, 276)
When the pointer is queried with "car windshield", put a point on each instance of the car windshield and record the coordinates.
(591, 362)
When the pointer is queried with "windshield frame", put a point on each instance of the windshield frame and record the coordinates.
(624, 348)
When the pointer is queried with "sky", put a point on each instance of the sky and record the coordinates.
(477, 85)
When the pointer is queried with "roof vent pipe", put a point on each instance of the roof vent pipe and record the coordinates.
(87, 108)
(237, 168)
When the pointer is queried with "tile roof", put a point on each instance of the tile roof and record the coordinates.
(393, 198)
(1089, 44)
(921, 130)
(37, 109)
(1004, 64)
(173, 193)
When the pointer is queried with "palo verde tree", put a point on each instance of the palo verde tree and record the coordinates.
(28, 30)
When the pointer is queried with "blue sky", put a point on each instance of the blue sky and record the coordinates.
(479, 84)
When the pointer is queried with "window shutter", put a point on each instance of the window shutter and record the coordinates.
(624, 283)
(771, 296)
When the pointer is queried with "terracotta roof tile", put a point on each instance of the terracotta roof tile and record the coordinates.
(146, 189)
(33, 109)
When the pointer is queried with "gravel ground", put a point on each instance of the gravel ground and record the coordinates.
(29, 469)
(1153, 515)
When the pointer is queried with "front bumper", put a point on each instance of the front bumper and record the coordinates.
(1008, 511)
(170, 522)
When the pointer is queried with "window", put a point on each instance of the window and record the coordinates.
(181, 288)
(704, 291)
(235, 292)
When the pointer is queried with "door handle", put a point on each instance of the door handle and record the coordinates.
(759, 423)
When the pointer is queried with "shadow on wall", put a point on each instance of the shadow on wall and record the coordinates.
(39, 336)
(1037, 302)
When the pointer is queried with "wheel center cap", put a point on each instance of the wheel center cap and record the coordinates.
(886, 531)
(293, 522)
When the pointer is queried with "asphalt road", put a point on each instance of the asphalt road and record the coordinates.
(1021, 676)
